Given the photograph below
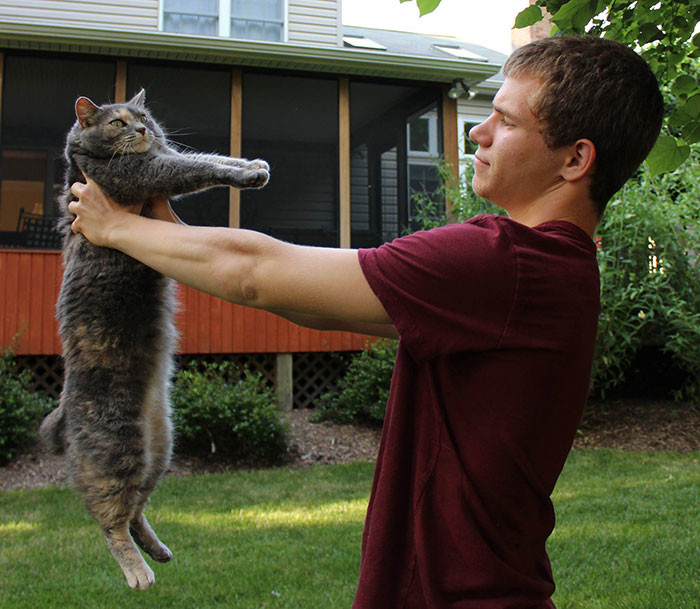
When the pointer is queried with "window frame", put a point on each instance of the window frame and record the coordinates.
(462, 122)
(225, 17)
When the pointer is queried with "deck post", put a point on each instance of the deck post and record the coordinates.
(284, 381)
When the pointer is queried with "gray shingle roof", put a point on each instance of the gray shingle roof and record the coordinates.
(408, 43)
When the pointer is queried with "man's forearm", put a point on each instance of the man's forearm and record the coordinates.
(211, 259)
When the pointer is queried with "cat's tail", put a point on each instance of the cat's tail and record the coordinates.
(51, 432)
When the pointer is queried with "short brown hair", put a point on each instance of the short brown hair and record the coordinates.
(595, 89)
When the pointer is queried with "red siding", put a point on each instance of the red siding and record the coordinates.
(29, 283)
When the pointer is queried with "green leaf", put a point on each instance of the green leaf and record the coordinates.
(691, 132)
(529, 16)
(427, 6)
(648, 33)
(575, 14)
(686, 113)
(684, 84)
(667, 155)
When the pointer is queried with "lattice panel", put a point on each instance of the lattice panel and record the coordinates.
(47, 371)
(315, 374)
(264, 363)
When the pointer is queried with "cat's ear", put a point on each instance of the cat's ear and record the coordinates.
(85, 110)
(139, 99)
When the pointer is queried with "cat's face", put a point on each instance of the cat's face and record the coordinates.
(116, 129)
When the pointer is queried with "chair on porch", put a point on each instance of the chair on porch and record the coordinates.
(39, 231)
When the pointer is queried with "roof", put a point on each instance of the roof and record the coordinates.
(407, 56)
(409, 43)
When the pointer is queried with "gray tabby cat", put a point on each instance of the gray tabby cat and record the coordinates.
(115, 314)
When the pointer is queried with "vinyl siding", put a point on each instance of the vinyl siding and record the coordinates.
(314, 22)
(30, 281)
(112, 14)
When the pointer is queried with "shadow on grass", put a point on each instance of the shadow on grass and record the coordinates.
(275, 538)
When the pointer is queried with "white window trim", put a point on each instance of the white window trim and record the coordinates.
(461, 122)
(432, 152)
(225, 18)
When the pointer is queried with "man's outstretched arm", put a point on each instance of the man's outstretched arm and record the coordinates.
(319, 287)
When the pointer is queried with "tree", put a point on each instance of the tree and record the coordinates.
(661, 32)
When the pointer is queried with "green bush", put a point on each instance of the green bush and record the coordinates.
(21, 409)
(363, 390)
(221, 408)
(649, 248)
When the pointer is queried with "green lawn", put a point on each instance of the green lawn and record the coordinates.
(627, 537)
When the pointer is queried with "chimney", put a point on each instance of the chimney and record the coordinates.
(541, 29)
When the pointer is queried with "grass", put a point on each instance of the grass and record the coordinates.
(626, 538)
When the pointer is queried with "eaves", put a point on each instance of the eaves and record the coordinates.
(146, 44)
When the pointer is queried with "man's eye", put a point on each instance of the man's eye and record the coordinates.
(506, 122)
(117, 122)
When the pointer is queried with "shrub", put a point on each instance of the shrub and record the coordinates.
(21, 409)
(649, 248)
(221, 408)
(363, 390)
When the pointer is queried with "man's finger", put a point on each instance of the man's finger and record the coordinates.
(77, 188)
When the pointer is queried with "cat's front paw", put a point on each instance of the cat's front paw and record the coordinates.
(258, 164)
(255, 178)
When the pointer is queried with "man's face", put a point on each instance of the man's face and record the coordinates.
(513, 167)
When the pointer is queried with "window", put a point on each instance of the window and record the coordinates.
(362, 42)
(191, 17)
(33, 135)
(248, 19)
(422, 135)
(423, 156)
(459, 52)
(292, 123)
(257, 19)
(192, 121)
(394, 144)
(468, 146)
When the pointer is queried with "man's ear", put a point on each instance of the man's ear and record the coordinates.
(580, 162)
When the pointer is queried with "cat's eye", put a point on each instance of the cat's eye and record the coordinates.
(117, 122)
(142, 118)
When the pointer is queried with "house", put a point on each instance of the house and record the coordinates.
(351, 121)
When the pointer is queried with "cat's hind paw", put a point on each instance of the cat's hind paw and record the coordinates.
(139, 577)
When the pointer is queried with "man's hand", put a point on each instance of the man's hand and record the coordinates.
(96, 215)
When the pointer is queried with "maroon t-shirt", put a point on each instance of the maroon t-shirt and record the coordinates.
(497, 324)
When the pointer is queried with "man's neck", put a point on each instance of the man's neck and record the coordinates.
(579, 211)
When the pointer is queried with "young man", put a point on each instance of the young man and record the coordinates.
(496, 318)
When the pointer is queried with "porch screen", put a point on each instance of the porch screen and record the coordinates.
(193, 104)
(395, 145)
(38, 110)
(292, 122)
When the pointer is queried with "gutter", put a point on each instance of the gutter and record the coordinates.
(145, 44)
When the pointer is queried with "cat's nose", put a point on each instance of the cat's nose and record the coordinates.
(141, 130)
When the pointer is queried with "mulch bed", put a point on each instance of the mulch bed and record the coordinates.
(626, 425)
(641, 426)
